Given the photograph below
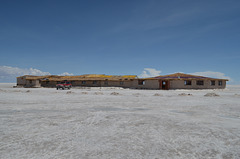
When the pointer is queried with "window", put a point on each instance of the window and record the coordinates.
(141, 82)
(212, 83)
(94, 82)
(83, 82)
(200, 83)
(121, 82)
(187, 82)
(30, 81)
(220, 83)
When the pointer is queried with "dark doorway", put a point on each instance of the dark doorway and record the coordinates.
(164, 84)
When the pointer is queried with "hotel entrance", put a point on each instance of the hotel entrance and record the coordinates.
(164, 84)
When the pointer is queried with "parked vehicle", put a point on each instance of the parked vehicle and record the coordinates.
(64, 85)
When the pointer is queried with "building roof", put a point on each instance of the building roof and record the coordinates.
(182, 76)
(31, 77)
(175, 76)
(80, 77)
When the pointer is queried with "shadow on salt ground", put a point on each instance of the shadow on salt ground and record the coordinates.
(118, 109)
(184, 94)
(229, 116)
(183, 112)
(211, 95)
(115, 93)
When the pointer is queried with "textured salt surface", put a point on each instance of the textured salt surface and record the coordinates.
(118, 123)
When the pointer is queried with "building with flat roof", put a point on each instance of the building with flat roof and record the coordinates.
(166, 82)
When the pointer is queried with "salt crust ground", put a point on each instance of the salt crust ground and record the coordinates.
(114, 123)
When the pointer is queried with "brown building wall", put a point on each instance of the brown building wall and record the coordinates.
(134, 83)
(86, 83)
(50, 84)
(21, 81)
(121, 83)
(145, 84)
(102, 83)
(32, 83)
(180, 84)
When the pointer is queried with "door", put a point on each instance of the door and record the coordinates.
(164, 84)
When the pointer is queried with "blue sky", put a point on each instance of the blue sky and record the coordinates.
(120, 37)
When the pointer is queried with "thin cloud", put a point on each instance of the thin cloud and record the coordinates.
(8, 70)
(212, 74)
(149, 72)
(9, 74)
(66, 74)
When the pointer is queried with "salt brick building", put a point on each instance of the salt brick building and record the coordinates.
(166, 82)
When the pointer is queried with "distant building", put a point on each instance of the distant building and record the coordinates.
(172, 81)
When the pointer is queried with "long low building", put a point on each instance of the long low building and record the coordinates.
(166, 82)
